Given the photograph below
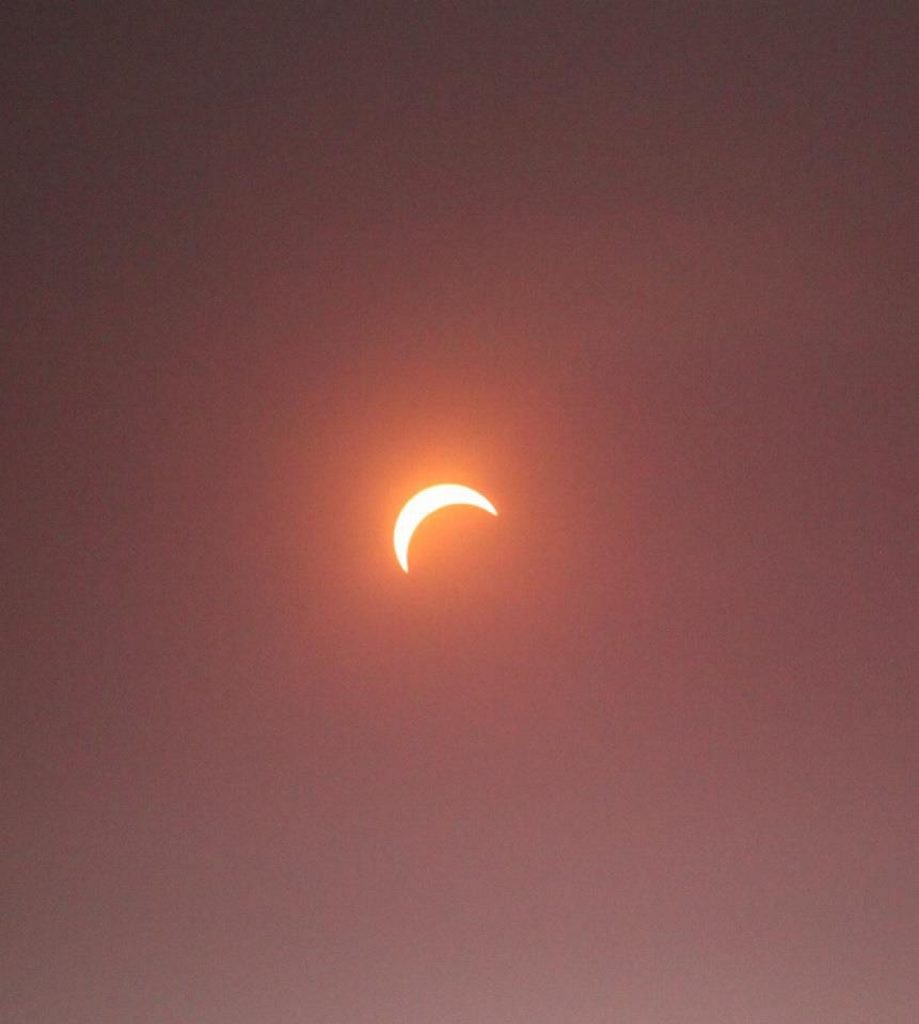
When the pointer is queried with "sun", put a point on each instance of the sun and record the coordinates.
(429, 500)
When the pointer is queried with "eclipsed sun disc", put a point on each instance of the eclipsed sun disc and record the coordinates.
(419, 507)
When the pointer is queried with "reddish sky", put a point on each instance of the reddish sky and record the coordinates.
(641, 750)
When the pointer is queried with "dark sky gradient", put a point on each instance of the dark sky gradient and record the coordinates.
(642, 750)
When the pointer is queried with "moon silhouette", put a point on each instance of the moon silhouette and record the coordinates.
(419, 507)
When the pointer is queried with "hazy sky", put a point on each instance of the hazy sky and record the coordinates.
(641, 750)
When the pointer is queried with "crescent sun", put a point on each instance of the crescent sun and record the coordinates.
(419, 507)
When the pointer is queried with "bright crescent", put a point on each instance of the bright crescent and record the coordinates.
(418, 508)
